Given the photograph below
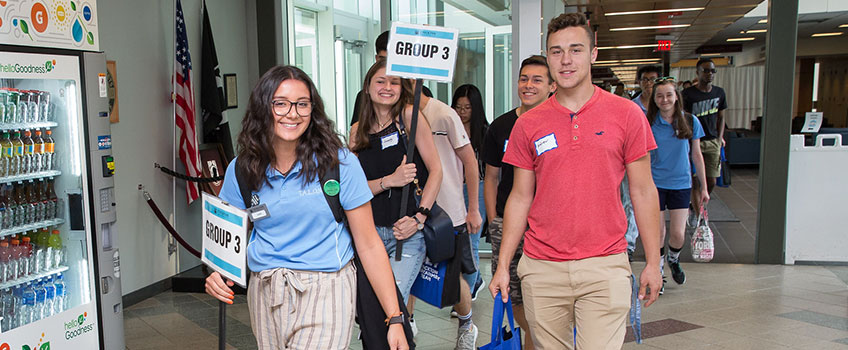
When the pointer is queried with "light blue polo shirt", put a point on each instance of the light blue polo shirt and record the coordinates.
(638, 101)
(301, 233)
(670, 161)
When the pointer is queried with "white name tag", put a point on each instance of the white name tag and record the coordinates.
(389, 140)
(505, 143)
(545, 144)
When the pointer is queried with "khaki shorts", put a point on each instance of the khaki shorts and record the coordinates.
(711, 149)
(592, 294)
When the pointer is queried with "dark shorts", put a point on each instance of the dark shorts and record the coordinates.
(674, 199)
(496, 234)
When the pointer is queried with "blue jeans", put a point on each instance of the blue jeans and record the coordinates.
(472, 278)
(632, 232)
(405, 270)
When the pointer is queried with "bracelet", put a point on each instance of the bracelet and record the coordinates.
(424, 211)
(381, 184)
(395, 318)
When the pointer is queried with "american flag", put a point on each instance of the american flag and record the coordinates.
(185, 107)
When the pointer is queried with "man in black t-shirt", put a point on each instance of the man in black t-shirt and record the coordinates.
(707, 102)
(535, 84)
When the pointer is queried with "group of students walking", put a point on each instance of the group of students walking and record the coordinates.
(552, 169)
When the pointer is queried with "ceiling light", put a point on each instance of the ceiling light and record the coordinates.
(711, 55)
(651, 27)
(843, 25)
(762, 21)
(473, 38)
(741, 39)
(817, 35)
(653, 11)
(753, 31)
(627, 47)
(604, 62)
(641, 60)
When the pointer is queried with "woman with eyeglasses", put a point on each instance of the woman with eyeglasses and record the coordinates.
(677, 134)
(468, 103)
(379, 140)
(302, 280)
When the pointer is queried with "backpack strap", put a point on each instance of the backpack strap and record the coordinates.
(246, 194)
(333, 201)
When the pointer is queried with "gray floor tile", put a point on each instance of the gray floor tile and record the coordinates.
(824, 320)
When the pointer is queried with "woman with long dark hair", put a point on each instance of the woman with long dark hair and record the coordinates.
(378, 139)
(302, 281)
(678, 137)
(468, 103)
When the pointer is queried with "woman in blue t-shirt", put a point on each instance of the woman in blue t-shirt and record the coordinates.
(677, 135)
(302, 282)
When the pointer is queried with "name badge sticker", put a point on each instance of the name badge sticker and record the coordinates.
(545, 144)
(389, 140)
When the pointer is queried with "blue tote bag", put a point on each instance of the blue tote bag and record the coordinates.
(503, 338)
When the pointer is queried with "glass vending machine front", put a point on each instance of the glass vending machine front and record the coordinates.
(46, 271)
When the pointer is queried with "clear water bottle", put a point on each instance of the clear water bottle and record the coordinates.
(40, 312)
(7, 309)
(5, 254)
(61, 297)
(27, 309)
(50, 288)
(18, 299)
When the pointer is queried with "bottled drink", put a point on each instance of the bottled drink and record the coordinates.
(17, 154)
(29, 151)
(41, 239)
(11, 106)
(38, 152)
(14, 257)
(11, 206)
(44, 107)
(23, 109)
(23, 205)
(27, 309)
(5, 155)
(58, 251)
(7, 299)
(52, 209)
(4, 95)
(50, 288)
(39, 200)
(49, 150)
(25, 260)
(32, 106)
(61, 298)
(3, 210)
(5, 255)
(32, 202)
(39, 311)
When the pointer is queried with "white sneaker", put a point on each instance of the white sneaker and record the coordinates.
(466, 339)
(414, 328)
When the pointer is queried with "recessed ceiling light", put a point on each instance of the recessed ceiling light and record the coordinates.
(710, 54)
(651, 27)
(604, 62)
(843, 25)
(641, 60)
(754, 31)
(653, 11)
(741, 39)
(762, 21)
(627, 47)
(817, 35)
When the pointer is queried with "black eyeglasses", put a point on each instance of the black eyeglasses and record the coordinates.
(663, 79)
(709, 70)
(283, 107)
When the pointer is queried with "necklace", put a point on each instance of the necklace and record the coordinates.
(381, 125)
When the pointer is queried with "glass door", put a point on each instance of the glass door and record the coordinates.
(306, 41)
(350, 73)
(499, 67)
(46, 284)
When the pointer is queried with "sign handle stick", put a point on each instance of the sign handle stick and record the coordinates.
(410, 151)
(222, 325)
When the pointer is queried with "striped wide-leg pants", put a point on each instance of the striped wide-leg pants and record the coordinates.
(291, 309)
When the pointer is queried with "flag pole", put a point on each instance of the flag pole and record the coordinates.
(174, 139)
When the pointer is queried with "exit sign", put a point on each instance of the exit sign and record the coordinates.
(663, 45)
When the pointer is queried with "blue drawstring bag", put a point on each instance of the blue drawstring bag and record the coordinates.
(503, 338)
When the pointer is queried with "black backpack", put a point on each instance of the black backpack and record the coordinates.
(369, 312)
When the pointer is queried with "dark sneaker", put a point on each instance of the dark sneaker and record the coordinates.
(677, 272)
(477, 287)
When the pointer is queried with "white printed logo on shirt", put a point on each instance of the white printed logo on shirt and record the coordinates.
(389, 140)
(545, 144)
(505, 143)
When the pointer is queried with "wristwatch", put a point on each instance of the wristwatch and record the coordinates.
(420, 224)
(395, 320)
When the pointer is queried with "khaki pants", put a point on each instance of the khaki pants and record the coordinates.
(594, 293)
(302, 310)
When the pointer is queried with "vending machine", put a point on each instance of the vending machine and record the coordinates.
(60, 284)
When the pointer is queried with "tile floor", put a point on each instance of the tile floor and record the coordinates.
(723, 305)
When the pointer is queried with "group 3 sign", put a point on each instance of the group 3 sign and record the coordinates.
(421, 52)
(225, 239)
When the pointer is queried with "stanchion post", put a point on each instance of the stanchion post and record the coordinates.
(222, 325)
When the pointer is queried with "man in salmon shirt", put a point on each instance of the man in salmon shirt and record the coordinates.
(570, 155)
